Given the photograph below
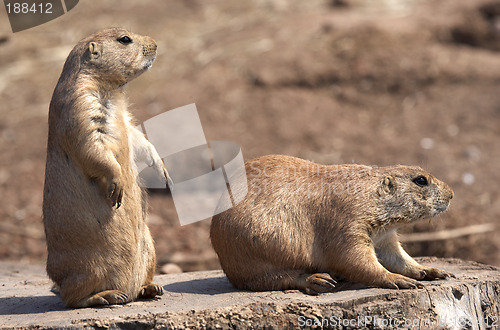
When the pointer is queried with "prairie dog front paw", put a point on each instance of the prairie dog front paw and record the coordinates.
(115, 192)
(154, 160)
(112, 190)
(436, 273)
(145, 152)
(396, 281)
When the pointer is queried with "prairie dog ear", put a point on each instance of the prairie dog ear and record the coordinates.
(388, 186)
(95, 50)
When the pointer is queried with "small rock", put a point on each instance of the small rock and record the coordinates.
(427, 143)
(170, 268)
(453, 130)
(468, 178)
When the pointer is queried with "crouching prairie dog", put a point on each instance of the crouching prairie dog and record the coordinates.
(100, 250)
(302, 223)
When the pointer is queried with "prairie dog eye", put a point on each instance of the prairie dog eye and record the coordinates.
(125, 40)
(420, 181)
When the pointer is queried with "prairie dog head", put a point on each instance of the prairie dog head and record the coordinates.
(409, 194)
(116, 55)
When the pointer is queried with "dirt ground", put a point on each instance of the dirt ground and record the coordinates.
(363, 81)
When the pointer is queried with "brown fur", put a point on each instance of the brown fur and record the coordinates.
(100, 250)
(302, 222)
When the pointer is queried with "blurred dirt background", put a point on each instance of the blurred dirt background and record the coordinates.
(366, 81)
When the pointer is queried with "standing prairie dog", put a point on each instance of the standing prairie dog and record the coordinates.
(302, 222)
(100, 250)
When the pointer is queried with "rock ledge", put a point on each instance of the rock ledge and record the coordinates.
(207, 299)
